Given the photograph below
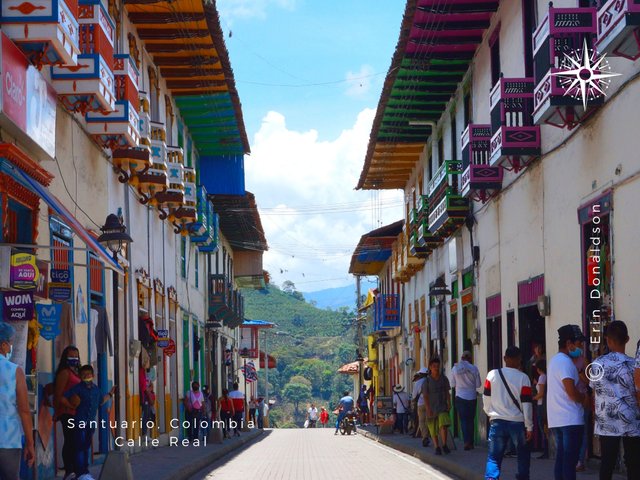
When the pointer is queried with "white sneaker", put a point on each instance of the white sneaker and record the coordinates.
(86, 476)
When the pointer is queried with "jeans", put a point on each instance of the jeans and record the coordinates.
(83, 438)
(541, 411)
(10, 463)
(582, 455)
(568, 441)
(69, 445)
(226, 418)
(609, 449)
(467, 412)
(499, 432)
(194, 417)
(260, 421)
(401, 422)
(238, 417)
(341, 415)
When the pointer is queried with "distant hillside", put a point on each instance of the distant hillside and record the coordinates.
(293, 314)
(336, 298)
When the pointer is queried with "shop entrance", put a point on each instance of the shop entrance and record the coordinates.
(494, 342)
(531, 329)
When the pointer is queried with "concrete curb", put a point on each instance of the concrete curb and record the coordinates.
(191, 469)
(439, 461)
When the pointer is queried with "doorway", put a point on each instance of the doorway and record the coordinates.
(531, 329)
(494, 343)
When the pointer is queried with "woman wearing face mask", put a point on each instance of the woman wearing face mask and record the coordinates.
(15, 417)
(66, 378)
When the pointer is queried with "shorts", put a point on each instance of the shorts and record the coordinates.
(441, 420)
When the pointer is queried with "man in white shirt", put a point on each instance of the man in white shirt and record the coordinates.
(507, 401)
(312, 414)
(465, 378)
(565, 412)
(401, 406)
(418, 400)
(617, 413)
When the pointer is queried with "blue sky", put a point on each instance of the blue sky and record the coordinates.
(309, 74)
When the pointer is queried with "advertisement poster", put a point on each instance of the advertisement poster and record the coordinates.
(17, 306)
(24, 271)
(60, 286)
(49, 320)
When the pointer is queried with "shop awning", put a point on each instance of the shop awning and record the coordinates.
(65, 214)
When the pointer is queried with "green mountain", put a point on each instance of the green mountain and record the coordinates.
(309, 345)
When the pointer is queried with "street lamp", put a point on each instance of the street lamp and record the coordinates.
(114, 237)
(439, 291)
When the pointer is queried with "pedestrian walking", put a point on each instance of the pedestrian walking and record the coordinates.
(238, 405)
(226, 412)
(436, 391)
(312, 416)
(541, 407)
(260, 412)
(66, 378)
(253, 406)
(363, 405)
(465, 378)
(583, 387)
(207, 410)
(15, 415)
(148, 407)
(617, 416)
(401, 406)
(419, 406)
(510, 417)
(194, 404)
(565, 412)
(324, 417)
(85, 397)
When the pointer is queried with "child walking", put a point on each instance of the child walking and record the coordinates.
(85, 397)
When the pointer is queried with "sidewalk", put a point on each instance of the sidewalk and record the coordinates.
(470, 465)
(180, 463)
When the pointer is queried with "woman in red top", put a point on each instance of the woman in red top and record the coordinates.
(324, 417)
(225, 407)
(66, 377)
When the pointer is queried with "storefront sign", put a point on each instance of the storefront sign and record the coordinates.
(26, 99)
(17, 306)
(60, 286)
(42, 290)
(170, 349)
(24, 272)
(49, 319)
(163, 338)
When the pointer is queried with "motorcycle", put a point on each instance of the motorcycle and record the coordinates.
(348, 424)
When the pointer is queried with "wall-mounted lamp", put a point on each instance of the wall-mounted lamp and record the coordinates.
(544, 305)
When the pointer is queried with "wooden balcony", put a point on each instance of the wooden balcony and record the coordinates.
(445, 180)
(158, 142)
(417, 250)
(221, 301)
(45, 30)
(116, 129)
(448, 214)
(97, 30)
(555, 101)
(479, 181)
(127, 78)
(619, 28)
(87, 87)
(515, 139)
(204, 210)
(427, 239)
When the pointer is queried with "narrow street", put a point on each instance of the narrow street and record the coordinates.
(318, 454)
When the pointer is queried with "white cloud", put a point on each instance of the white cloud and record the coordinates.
(232, 9)
(359, 83)
(312, 216)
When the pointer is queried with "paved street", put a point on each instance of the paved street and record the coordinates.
(317, 455)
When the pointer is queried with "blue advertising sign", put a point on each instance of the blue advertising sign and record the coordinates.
(60, 285)
(163, 338)
(49, 319)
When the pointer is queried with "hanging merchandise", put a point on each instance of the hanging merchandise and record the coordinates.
(151, 375)
(81, 310)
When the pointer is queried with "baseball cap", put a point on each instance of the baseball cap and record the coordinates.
(423, 371)
(570, 332)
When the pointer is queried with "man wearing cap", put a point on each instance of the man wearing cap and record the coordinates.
(418, 401)
(565, 412)
(465, 378)
(401, 406)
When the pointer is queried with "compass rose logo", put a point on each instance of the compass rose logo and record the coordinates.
(585, 75)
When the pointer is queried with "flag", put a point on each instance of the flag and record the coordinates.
(249, 372)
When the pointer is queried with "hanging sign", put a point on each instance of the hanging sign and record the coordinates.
(49, 320)
(170, 349)
(42, 290)
(163, 338)
(60, 286)
(24, 271)
(17, 306)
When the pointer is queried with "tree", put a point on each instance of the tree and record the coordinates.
(288, 287)
(296, 393)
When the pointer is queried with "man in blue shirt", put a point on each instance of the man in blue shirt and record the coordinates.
(345, 406)
(85, 397)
